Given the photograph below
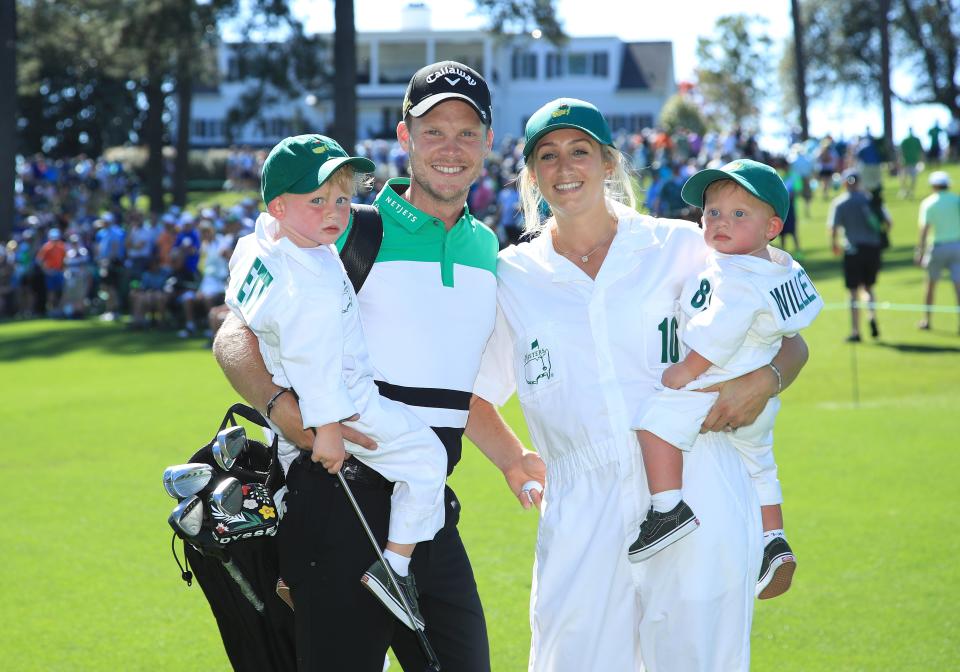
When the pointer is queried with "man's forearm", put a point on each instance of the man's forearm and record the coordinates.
(491, 434)
(487, 429)
(238, 354)
(922, 243)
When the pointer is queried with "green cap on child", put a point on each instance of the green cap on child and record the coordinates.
(758, 178)
(302, 163)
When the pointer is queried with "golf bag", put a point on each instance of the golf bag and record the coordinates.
(237, 568)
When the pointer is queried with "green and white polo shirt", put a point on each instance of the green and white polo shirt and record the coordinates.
(427, 309)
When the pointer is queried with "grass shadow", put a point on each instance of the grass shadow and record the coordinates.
(919, 348)
(54, 339)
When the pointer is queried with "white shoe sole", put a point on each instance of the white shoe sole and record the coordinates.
(382, 593)
(778, 578)
(676, 535)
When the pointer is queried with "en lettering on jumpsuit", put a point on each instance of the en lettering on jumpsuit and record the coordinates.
(583, 355)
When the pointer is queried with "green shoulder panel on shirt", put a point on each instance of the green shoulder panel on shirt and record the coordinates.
(410, 234)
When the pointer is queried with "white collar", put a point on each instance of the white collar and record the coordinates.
(635, 232)
(780, 261)
(267, 233)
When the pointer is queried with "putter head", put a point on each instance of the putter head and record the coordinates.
(228, 445)
(227, 496)
(183, 480)
(186, 519)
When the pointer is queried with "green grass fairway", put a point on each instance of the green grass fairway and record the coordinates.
(91, 415)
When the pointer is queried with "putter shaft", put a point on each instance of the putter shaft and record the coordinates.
(433, 664)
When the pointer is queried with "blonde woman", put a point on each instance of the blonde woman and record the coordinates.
(586, 325)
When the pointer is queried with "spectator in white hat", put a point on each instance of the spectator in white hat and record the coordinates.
(939, 245)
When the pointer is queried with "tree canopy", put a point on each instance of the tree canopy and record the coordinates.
(105, 72)
(681, 112)
(732, 70)
(845, 50)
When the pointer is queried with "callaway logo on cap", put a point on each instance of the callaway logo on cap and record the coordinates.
(442, 81)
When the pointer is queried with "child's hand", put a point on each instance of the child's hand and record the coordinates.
(328, 447)
(676, 376)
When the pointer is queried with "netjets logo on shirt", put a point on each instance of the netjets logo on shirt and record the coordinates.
(536, 364)
(454, 79)
(400, 208)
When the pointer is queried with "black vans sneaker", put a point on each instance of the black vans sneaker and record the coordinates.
(377, 582)
(659, 530)
(776, 570)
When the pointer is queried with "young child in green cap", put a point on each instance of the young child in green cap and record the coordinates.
(288, 285)
(733, 314)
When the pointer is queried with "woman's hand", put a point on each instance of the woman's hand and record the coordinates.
(741, 400)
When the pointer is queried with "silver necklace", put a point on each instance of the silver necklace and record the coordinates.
(584, 258)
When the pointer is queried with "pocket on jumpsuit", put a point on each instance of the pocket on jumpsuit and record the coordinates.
(537, 362)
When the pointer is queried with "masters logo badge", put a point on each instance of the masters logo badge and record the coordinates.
(561, 111)
(536, 364)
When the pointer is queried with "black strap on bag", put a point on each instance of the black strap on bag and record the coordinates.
(275, 479)
(362, 244)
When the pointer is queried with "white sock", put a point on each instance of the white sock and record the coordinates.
(770, 535)
(665, 501)
(399, 563)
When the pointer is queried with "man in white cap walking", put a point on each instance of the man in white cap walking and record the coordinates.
(939, 245)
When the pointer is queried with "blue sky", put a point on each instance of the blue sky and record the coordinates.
(654, 20)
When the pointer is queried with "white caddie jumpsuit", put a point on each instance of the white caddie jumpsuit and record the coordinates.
(582, 356)
(302, 307)
(735, 312)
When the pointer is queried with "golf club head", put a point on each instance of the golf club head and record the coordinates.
(183, 480)
(228, 445)
(227, 496)
(186, 519)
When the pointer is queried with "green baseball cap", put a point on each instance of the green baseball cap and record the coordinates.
(566, 113)
(302, 163)
(758, 178)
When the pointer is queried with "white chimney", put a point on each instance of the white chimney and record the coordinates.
(415, 16)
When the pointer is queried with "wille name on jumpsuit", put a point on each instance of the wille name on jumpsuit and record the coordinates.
(793, 295)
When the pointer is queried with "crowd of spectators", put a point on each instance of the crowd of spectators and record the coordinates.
(80, 249)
